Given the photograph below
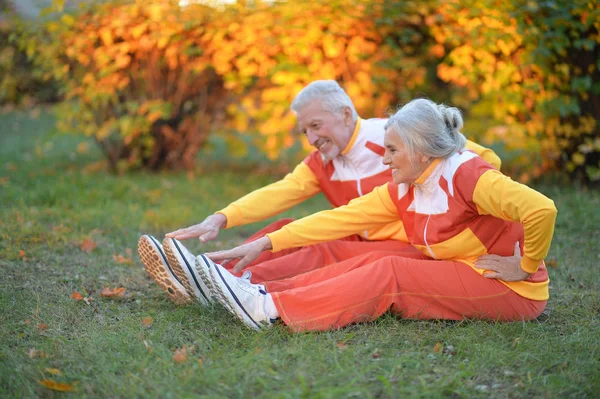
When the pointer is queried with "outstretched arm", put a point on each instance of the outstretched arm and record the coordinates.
(260, 204)
(363, 213)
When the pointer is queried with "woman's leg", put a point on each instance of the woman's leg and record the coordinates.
(320, 255)
(417, 289)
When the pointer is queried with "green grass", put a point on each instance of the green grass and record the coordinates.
(51, 202)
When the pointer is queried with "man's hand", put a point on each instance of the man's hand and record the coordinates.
(246, 253)
(207, 230)
(507, 268)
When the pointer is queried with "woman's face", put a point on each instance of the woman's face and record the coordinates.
(406, 168)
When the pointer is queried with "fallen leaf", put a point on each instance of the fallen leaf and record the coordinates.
(376, 355)
(57, 386)
(53, 371)
(42, 326)
(88, 245)
(77, 296)
(438, 346)
(180, 355)
(118, 258)
(88, 300)
(201, 362)
(146, 321)
(33, 353)
(3, 180)
(341, 345)
(27, 321)
(117, 292)
(552, 262)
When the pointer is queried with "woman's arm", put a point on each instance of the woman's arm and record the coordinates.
(500, 196)
(363, 213)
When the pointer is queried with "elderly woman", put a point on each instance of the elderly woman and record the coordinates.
(468, 219)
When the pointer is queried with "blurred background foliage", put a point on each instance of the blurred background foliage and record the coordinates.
(152, 81)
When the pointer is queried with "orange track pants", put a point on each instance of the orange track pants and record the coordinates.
(364, 287)
(290, 262)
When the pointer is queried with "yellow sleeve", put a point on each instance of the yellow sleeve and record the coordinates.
(500, 196)
(362, 213)
(486, 153)
(275, 198)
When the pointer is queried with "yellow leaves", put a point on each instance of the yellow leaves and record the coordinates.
(57, 386)
(139, 30)
(578, 158)
(67, 19)
(122, 61)
(53, 371)
(106, 36)
(154, 11)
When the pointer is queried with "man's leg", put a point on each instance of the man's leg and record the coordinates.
(416, 289)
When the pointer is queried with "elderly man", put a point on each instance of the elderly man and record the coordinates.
(346, 164)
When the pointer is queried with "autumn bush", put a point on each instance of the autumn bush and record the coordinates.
(21, 83)
(136, 78)
(149, 81)
(533, 67)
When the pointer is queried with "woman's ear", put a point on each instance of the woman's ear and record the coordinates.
(423, 158)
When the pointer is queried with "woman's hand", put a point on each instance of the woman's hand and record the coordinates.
(207, 230)
(507, 268)
(246, 253)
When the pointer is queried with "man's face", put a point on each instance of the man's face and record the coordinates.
(328, 132)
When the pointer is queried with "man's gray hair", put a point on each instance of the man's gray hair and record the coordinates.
(329, 93)
(429, 128)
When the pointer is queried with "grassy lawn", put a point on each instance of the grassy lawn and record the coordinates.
(55, 206)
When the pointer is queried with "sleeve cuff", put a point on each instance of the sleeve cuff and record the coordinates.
(277, 240)
(529, 265)
(233, 215)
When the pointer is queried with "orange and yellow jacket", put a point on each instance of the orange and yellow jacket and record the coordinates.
(357, 171)
(460, 209)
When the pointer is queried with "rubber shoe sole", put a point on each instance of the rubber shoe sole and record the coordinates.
(157, 266)
(185, 270)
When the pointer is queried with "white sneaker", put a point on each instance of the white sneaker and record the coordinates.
(157, 266)
(245, 300)
(247, 275)
(183, 264)
(203, 266)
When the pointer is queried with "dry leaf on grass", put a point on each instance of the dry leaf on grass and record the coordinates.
(53, 371)
(146, 321)
(123, 260)
(34, 353)
(77, 296)
(57, 386)
(180, 355)
(117, 292)
(88, 245)
(438, 347)
(341, 345)
(42, 326)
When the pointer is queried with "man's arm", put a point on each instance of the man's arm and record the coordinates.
(260, 204)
